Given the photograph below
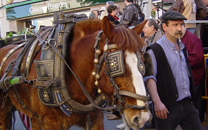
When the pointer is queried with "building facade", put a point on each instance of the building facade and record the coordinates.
(16, 15)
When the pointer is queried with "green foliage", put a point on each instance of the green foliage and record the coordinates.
(24, 31)
(153, 14)
(10, 34)
(18, 33)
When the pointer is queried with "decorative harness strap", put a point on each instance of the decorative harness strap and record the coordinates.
(9, 54)
(7, 82)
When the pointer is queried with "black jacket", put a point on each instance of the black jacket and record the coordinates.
(112, 19)
(166, 85)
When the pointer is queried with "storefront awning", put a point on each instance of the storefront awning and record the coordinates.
(22, 3)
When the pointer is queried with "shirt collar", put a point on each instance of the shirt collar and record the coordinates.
(172, 45)
(151, 37)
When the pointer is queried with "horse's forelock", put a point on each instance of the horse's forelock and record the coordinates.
(127, 39)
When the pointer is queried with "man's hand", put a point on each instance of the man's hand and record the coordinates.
(160, 110)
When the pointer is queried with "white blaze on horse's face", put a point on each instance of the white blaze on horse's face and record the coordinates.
(132, 60)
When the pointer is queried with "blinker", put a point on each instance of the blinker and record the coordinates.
(116, 65)
(140, 64)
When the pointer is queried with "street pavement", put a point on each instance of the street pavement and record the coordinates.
(108, 124)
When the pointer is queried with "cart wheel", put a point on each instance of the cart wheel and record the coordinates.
(25, 121)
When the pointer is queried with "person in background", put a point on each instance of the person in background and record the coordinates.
(151, 32)
(129, 17)
(171, 85)
(188, 9)
(119, 13)
(205, 30)
(200, 15)
(105, 12)
(196, 59)
(94, 14)
(112, 11)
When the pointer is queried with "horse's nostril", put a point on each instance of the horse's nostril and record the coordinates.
(136, 120)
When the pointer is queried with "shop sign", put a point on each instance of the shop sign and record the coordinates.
(40, 8)
(49, 6)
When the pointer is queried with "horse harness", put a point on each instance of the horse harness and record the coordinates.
(115, 67)
(50, 82)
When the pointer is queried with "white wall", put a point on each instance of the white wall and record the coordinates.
(146, 8)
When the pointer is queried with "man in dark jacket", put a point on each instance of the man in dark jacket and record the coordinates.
(196, 59)
(171, 85)
(130, 14)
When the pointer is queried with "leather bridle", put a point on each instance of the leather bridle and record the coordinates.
(118, 93)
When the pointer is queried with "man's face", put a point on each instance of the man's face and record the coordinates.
(148, 31)
(173, 29)
(205, 2)
(96, 13)
(125, 2)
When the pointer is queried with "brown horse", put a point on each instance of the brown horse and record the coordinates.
(80, 57)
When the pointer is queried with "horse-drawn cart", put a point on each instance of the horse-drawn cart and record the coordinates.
(62, 76)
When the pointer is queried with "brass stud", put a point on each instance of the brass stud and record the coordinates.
(96, 83)
(104, 97)
(112, 64)
(93, 73)
(98, 52)
(99, 91)
(105, 48)
(68, 109)
(97, 76)
(95, 61)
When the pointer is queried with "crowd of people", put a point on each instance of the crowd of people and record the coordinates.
(131, 16)
(177, 85)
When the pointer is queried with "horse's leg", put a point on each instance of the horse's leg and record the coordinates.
(5, 112)
(97, 120)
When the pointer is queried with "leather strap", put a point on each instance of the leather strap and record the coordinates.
(68, 20)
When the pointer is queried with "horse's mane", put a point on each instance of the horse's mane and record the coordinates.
(127, 39)
(88, 26)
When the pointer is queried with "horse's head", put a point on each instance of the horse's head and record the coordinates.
(121, 76)
(113, 57)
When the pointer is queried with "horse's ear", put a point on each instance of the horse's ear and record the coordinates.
(138, 28)
(108, 28)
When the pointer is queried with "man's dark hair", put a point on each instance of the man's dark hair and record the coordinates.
(129, 1)
(111, 8)
(92, 15)
(153, 22)
(165, 22)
